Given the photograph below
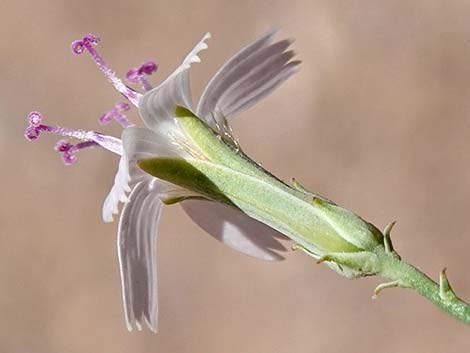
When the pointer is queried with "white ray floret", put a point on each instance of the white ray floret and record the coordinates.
(247, 77)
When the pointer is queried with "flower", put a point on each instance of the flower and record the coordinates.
(250, 75)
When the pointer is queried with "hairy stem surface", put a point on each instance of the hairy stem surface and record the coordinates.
(408, 276)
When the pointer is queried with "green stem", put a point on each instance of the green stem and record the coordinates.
(409, 276)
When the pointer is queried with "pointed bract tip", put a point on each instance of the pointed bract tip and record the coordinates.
(445, 290)
(317, 201)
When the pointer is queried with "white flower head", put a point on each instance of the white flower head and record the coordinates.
(250, 75)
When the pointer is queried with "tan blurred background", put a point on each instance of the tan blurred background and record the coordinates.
(378, 120)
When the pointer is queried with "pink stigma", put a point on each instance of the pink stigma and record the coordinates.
(34, 127)
(87, 43)
(79, 46)
(68, 150)
(137, 75)
(116, 114)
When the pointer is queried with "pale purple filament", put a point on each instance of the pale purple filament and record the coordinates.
(87, 42)
(137, 75)
(35, 128)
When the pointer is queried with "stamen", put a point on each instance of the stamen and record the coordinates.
(116, 114)
(68, 150)
(35, 128)
(137, 75)
(87, 42)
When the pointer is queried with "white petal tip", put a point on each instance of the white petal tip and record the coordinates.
(122, 198)
(108, 216)
(138, 327)
(153, 329)
(129, 326)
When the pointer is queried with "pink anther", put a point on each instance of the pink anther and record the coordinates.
(68, 150)
(117, 113)
(137, 75)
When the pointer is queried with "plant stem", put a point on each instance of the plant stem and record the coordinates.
(408, 276)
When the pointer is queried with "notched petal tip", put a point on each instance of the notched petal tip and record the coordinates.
(246, 78)
(193, 56)
(157, 105)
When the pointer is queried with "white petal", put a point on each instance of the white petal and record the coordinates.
(224, 77)
(137, 253)
(235, 229)
(253, 90)
(110, 143)
(158, 105)
(142, 143)
(118, 191)
(250, 75)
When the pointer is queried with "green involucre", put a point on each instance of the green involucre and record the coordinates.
(230, 177)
